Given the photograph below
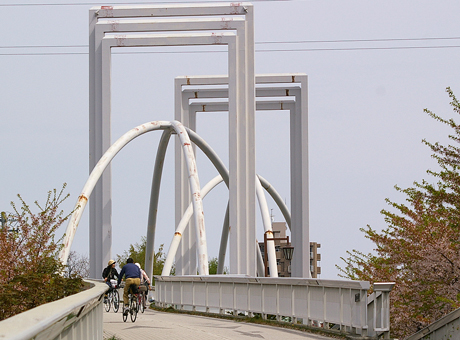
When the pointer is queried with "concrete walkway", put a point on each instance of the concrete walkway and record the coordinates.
(162, 325)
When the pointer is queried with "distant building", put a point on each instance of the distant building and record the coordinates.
(283, 264)
(315, 257)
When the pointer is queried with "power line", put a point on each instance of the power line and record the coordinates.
(356, 40)
(257, 51)
(45, 46)
(358, 48)
(266, 42)
(115, 3)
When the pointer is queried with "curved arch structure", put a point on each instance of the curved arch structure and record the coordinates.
(224, 239)
(224, 175)
(105, 161)
(186, 136)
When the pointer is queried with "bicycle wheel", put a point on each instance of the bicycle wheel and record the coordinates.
(116, 301)
(133, 309)
(107, 302)
(125, 314)
(141, 302)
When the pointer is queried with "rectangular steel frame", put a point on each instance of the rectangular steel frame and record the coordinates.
(241, 127)
(188, 89)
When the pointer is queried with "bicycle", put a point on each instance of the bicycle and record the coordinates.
(113, 298)
(141, 298)
(133, 304)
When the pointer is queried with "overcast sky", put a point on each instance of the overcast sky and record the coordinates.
(373, 66)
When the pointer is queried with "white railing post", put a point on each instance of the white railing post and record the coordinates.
(378, 309)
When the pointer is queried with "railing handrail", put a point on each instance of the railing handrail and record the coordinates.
(292, 281)
(437, 325)
(315, 301)
(53, 317)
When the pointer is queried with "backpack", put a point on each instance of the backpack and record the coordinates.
(105, 273)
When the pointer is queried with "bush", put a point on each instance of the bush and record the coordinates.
(31, 273)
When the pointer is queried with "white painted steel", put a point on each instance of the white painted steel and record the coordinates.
(188, 89)
(222, 170)
(94, 177)
(181, 227)
(79, 316)
(278, 200)
(154, 199)
(107, 158)
(313, 300)
(267, 223)
(177, 238)
(197, 200)
(168, 24)
(166, 39)
(100, 212)
(209, 152)
(444, 328)
(169, 39)
(155, 25)
(378, 310)
(208, 102)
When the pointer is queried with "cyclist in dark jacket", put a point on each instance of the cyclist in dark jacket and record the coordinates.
(110, 273)
(132, 277)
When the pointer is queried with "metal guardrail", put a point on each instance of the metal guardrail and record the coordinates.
(79, 316)
(313, 302)
(378, 310)
(447, 327)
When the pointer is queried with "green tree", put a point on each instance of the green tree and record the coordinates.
(213, 262)
(30, 269)
(420, 247)
(137, 253)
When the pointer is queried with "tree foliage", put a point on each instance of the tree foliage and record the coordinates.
(30, 270)
(137, 253)
(420, 247)
(77, 265)
(213, 264)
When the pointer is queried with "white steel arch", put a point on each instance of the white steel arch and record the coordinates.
(105, 161)
(224, 173)
(181, 227)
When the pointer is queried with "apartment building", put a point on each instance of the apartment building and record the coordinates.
(282, 252)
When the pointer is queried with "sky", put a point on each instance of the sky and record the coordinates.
(372, 66)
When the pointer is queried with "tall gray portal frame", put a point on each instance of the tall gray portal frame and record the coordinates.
(190, 97)
(241, 120)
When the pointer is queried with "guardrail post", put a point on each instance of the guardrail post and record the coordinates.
(379, 310)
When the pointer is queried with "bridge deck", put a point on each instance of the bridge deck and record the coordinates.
(160, 325)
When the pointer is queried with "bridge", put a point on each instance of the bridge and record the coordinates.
(332, 304)
(81, 316)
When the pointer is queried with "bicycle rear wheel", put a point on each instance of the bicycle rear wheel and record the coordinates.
(107, 302)
(116, 300)
(142, 302)
(125, 314)
(133, 309)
